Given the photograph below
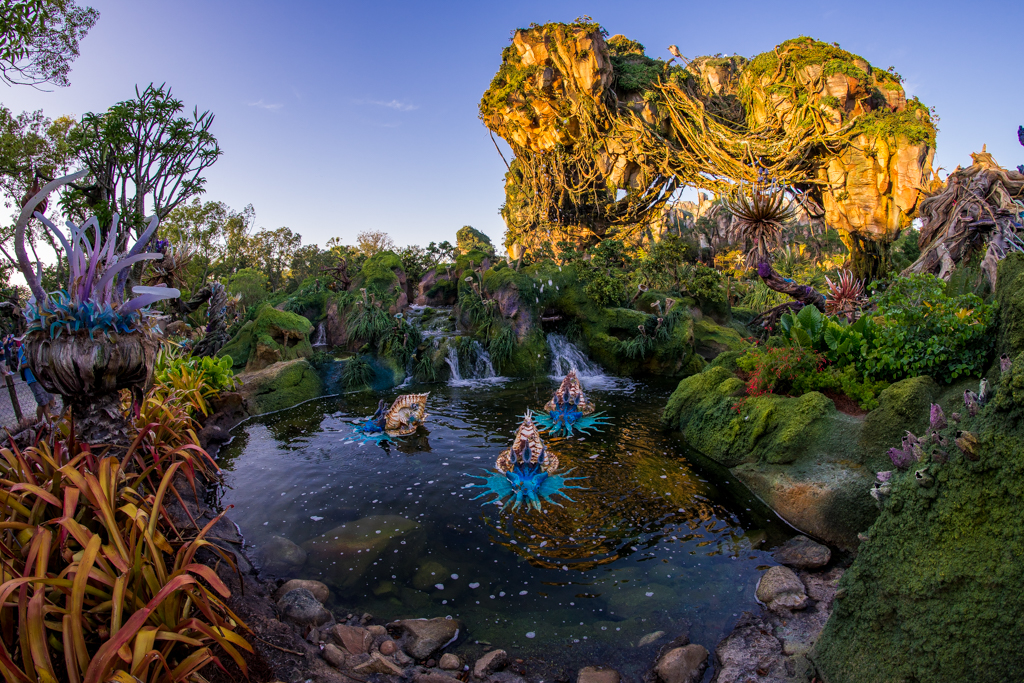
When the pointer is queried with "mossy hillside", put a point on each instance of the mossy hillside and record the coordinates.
(470, 239)
(1010, 298)
(272, 336)
(281, 386)
(715, 417)
(378, 275)
(935, 595)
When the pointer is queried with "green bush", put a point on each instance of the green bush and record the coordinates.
(919, 330)
(357, 374)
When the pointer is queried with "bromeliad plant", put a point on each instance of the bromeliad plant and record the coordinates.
(98, 585)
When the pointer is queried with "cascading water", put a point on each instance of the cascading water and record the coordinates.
(566, 356)
(480, 370)
(321, 336)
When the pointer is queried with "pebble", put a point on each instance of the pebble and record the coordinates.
(388, 647)
(450, 662)
(334, 656)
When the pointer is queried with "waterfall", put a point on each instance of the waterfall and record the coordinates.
(566, 356)
(480, 370)
(321, 336)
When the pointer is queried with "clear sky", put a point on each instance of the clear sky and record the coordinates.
(337, 117)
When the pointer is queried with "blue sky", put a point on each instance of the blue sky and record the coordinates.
(337, 117)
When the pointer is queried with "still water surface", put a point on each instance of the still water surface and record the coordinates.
(659, 539)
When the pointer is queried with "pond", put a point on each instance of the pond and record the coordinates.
(657, 539)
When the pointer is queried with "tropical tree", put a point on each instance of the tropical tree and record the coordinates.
(372, 241)
(39, 39)
(144, 158)
(272, 252)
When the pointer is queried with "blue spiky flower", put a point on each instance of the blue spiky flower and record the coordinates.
(525, 484)
(566, 418)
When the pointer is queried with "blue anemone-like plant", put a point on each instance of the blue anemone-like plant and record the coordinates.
(566, 418)
(525, 483)
(371, 430)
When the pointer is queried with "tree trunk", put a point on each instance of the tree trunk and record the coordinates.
(869, 258)
(804, 294)
(99, 420)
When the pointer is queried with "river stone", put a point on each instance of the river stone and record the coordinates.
(449, 662)
(388, 647)
(596, 674)
(490, 662)
(301, 607)
(802, 553)
(429, 574)
(344, 553)
(424, 637)
(682, 664)
(355, 639)
(319, 590)
(781, 589)
(378, 665)
(334, 655)
(281, 557)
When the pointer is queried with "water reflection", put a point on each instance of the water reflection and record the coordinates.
(656, 538)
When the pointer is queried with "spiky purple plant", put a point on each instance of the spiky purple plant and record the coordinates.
(95, 296)
(938, 418)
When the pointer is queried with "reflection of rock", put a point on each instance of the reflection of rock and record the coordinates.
(781, 589)
(429, 574)
(682, 664)
(281, 557)
(344, 553)
(802, 553)
(319, 590)
(424, 637)
(301, 607)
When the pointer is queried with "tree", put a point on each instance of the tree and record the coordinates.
(372, 241)
(39, 39)
(440, 253)
(272, 252)
(250, 284)
(310, 261)
(143, 157)
(470, 239)
(197, 228)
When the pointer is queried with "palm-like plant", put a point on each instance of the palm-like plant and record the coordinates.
(762, 212)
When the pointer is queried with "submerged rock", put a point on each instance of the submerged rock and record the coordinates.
(597, 674)
(424, 637)
(429, 574)
(802, 553)
(281, 557)
(781, 589)
(344, 553)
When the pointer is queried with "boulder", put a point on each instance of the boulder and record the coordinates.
(279, 386)
(334, 656)
(781, 590)
(597, 674)
(280, 556)
(320, 591)
(682, 664)
(424, 637)
(750, 653)
(451, 662)
(489, 663)
(355, 639)
(300, 607)
(802, 553)
(344, 553)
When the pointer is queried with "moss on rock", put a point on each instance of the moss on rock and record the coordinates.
(935, 594)
(271, 337)
(1010, 297)
(901, 406)
(280, 386)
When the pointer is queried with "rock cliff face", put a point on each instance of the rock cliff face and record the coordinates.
(602, 133)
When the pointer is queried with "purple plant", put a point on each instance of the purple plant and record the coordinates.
(938, 418)
(971, 401)
(97, 273)
(901, 458)
(884, 476)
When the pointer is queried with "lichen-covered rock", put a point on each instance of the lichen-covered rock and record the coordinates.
(936, 589)
(279, 386)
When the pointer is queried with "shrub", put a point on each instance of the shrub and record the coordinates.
(774, 370)
(196, 381)
(96, 589)
(357, 374)
(919, 330)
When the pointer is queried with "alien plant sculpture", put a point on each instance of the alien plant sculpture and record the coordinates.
(89, 341)
(569, 409)
(526, 473)
(217, 312)
(403, 418)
